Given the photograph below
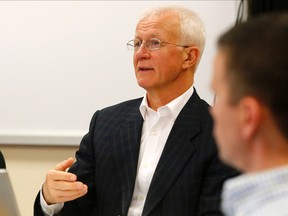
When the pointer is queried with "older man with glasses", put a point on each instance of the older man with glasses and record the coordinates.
(153, 155)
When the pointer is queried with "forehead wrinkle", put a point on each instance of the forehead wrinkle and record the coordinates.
(158, 27)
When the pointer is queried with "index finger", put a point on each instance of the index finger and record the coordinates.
(61, 176)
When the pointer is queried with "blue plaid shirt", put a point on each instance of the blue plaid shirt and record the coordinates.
(257, 194)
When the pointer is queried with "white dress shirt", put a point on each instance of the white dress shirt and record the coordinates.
(260, 194)
(155, 131)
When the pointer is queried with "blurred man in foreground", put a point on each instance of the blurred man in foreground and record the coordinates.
(251, 115)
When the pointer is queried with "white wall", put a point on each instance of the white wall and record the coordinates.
(62, 60)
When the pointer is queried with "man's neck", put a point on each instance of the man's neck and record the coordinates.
(269, 156)
(157, 99)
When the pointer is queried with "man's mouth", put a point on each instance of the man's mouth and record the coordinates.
(144, 68)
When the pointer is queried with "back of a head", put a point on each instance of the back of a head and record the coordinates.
(257, 63)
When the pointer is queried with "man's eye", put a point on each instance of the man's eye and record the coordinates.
(137, 44)
(154, 43)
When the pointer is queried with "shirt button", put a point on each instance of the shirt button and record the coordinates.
(141, 197)
(154, 132)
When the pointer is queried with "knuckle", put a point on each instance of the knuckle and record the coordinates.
(50, 174)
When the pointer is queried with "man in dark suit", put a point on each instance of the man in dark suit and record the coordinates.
(153, 155)
(2, 161)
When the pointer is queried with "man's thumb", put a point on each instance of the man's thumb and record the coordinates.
(62, 166)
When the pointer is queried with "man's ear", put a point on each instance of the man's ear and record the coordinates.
(191, 56)
(250, 114)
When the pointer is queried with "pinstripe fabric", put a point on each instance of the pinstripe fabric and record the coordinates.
(187, 181)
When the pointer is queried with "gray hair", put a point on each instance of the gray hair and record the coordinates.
(191, 26)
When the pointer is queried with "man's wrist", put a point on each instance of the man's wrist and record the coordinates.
(49, 210)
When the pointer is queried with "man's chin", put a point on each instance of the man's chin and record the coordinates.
(224, 157)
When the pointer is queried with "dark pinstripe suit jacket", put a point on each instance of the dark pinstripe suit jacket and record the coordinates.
(187, 180)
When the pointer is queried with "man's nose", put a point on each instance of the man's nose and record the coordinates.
(142, 52)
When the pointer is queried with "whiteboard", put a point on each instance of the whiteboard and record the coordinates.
(60, 61)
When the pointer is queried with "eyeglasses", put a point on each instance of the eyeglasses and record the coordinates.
(151, 44)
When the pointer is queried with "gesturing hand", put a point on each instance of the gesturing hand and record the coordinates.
(61, 186)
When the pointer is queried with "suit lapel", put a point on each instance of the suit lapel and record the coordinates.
(178, 149)
(126, 145)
